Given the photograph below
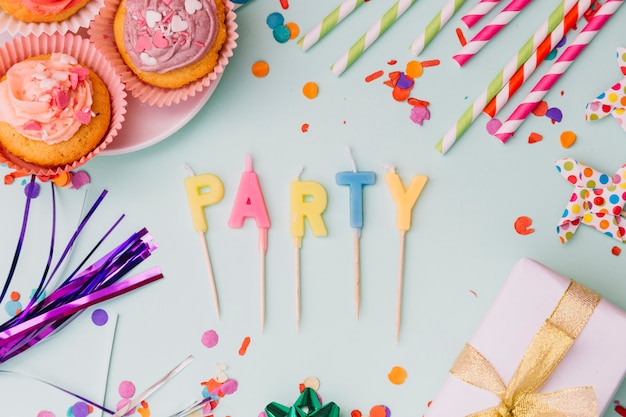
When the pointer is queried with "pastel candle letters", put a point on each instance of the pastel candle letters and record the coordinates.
(404, 199)
(308, 202)
(198, 200)
(356, 181)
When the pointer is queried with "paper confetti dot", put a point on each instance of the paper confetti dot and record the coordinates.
(126, 389)
(294, 29)
(274, 19)
(99, 317)
(310, 90)
(567, 138)
(380, 411)
(13, 308)
(45, 414)
(244, 345)
(304, 127)
(397, 375)
(80, 409)
(493, 125)
(540, 109)
(356, 413)
(555, 114)
(414, 69)
(522, 225)
(534, 137)
(62, 179)
(281, 33)
(79, 179)
(210, 338)
(260, 69)
(419, 114)
(311, 382)
(616, 251)
(15, 296)
(461, 36)
(32, 190)
(262, 414)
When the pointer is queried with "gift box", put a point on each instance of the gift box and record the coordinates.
(548, 346)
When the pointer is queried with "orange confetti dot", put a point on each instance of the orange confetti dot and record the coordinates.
(568, 138)
(417, 102)
(355, 413)
(62, 179)
(392, 62)
(616, 251)
(522, 225)
(244, 345)
(260, 69)
(310, 90)
(294, 29)
(414, 69)
(378, 411)
(304, 127)
(397, 375)
(540, 109)
(374, 76)
(534, 137)
(15, 296)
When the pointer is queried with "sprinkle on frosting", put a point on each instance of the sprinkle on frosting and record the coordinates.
(163, 35)
(46, 100)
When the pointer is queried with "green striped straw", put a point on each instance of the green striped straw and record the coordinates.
(328, 23)
(435, 26)
(466, 119)
(371, 35)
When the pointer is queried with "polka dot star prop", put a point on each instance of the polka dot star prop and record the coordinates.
(613, 100)
(597, 201)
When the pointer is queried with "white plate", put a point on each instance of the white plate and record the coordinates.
(146, 125)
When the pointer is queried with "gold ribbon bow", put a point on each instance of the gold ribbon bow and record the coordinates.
(519, 398)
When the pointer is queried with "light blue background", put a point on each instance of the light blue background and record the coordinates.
(462, 238)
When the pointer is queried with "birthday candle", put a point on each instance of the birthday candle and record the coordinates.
(249, 203)
(356, 180)
(405, 200)
(308, 200)
(198, 200)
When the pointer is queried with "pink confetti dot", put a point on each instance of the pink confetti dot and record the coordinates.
(493, 125)
(123, 403)
(126, 389)
(45, 414)
(210, 338)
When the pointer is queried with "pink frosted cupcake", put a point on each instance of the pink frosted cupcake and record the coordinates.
(61, 103)
(47, 16)
(166, 51)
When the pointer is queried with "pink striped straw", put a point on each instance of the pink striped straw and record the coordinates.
(489, 31)
(557, 69)
(478, 12)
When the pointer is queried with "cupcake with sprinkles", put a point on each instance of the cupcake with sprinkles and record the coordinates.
(47, 16)
(60, 104)
(166, 50)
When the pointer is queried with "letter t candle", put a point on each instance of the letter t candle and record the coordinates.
(356, 180)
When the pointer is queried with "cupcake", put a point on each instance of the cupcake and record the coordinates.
(40, 11)
(61, 103)
(47, 16)
(52, 110)
(166, 51)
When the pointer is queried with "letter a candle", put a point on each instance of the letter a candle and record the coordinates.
(198, 200)
(405, 200)
(249, 203)
(308, 200)
(356, 180)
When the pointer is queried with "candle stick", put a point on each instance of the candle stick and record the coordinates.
(356, 180)
(405, 201)
(249, 203)
(308, 200)
(198, 200)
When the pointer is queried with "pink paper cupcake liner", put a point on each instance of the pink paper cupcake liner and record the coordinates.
(21, 48)
(80, 19)
(101, 33)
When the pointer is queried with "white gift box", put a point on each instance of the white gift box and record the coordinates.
(528, 297)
